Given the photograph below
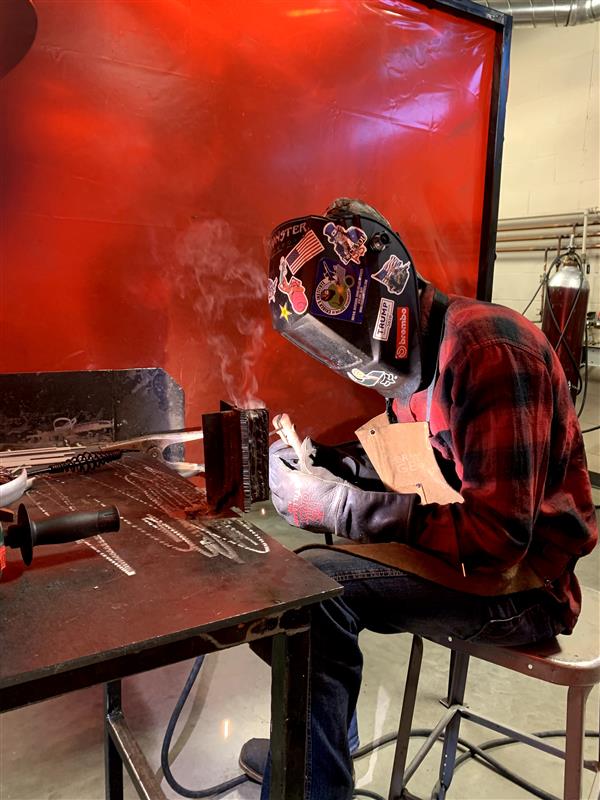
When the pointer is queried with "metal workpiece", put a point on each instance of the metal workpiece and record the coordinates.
(236, 455)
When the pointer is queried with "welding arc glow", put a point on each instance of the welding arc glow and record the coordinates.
(305, 12)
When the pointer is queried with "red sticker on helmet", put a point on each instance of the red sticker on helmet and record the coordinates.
(402, 332)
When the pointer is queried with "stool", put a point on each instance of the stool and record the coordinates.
(572, 661)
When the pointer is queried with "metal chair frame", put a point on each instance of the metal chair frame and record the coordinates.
(566, 661)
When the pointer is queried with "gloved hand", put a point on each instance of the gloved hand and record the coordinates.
(319, 501)
(349, 462)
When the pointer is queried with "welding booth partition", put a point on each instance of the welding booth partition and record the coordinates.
(148, 149)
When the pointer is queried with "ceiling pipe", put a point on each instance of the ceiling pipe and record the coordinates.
(549, 221)
(534, 13)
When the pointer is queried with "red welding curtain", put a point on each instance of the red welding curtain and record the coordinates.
(150, 146)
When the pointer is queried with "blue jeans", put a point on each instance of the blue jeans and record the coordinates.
(388, 600)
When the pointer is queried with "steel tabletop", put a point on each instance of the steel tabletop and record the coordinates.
(171, 584)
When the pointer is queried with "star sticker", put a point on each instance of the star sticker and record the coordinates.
(285, 312)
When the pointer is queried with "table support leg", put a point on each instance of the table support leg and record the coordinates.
(289, 698)
(113, 765)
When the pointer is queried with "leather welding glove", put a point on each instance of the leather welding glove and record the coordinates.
(314, 499)
(348, 461)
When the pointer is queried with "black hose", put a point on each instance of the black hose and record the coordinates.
(479, 751)
(476, 752)
(166, 746)
(589, 430)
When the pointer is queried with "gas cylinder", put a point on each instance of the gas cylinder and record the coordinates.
(564, 315)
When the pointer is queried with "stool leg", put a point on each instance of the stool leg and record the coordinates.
(446, 700)
(460, 666)
(406, 717)
(576, 701)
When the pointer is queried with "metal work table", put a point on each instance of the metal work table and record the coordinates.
(169, 586)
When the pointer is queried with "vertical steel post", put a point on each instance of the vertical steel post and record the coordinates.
(289, 704)
(113, 765)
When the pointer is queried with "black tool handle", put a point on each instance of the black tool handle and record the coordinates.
(27, 533)
(78, 525)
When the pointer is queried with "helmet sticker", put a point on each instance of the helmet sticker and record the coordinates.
(393, 274)
(284, 312)
(294, 289)
(308, 246)
(284, 233)
(385, 317)
(372, 378)
(340, 291)
(402, 337)
(271, 289)
(348, 243)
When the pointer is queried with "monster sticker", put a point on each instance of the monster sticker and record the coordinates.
(340, 291)
(372, 378)
(348, 243)
(285, 233)
(393, 274)
(308, 246)
(271, 289)
(294, 288)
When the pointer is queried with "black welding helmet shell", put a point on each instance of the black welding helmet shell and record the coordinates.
(345, 291)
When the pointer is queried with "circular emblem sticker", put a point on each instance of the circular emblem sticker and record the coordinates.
(333, 295)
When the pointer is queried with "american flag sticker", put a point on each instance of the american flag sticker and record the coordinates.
(308, 247)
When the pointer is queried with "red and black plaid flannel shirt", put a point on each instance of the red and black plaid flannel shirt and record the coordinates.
(503, 418)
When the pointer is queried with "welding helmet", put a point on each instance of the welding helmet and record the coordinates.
(344, 289)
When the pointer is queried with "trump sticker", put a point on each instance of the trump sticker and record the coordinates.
(383, 323)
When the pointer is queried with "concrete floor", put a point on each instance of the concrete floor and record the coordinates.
(53, 750)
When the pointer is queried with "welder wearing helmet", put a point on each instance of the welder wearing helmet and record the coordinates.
(494, 565)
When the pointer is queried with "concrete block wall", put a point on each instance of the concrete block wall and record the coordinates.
(551, 163)
(551, 160)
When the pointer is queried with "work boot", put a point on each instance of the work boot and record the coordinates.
(253, 758)
(254, 754)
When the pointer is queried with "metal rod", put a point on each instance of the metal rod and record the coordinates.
(508, 236)
(548, 220)
(141, 773)
(541, 248)
(287, 432)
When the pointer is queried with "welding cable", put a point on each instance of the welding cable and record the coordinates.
(166, 746)
(470, 751)
(478, 752)
(585, 373)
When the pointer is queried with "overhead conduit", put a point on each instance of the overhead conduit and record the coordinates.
(534, 13)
